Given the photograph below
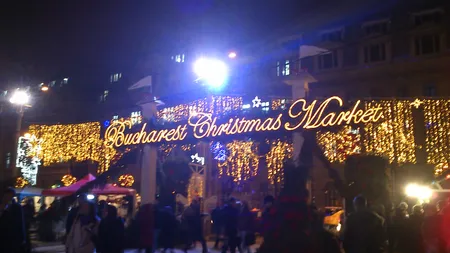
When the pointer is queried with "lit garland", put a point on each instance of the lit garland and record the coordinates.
(437, 125)
(279, 152)
(68, 180)
(126, 180)
(440, 168)
(21, 182)
(279, 104)
(167, 149)
(242, 161)
(62, 143)
(338, 146)
(81, 142)
(195, 186)
(394, 137)
(214, 104)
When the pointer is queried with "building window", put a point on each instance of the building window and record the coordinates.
(376, 28)
(283, 68)
(427, 44)
(328, 60)
(333, 36)
(115, 77)
(375, 53)
(428, 17)
(429, 90)
(178, 58)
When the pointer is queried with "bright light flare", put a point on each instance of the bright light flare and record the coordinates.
(418, 191)
(232, 55)
(90, 197)
(20, 97)
(213, 72)
(44, 88)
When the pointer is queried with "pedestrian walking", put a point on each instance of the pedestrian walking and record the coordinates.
(111, 232)
(231, 218)
(84, 230)
(364, 230)
(12, 226)
(246, 228)
(193, 220)
(217, 224)
(168, 229)
(145, 222)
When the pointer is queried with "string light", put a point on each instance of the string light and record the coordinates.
(279, 104)
(394, 137)
(242, 161)
(62, 143)
(21, 182)
(68, 180)
(279, 152)
(338, 146)
(126, 180)
(216, 105)
(81, 142)
(437, 125)
(195, 186)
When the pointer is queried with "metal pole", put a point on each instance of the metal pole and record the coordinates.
(14, 171)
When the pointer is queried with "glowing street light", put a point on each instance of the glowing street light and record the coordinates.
(232, 55)
(44, 88)
(20, 97)
(418, 191)
(213, 72)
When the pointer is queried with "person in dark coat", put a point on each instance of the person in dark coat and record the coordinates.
(246, 227)
(217, 220)
(193, 219)
(231, 218)
(12, 225)
(74, 211)
(268, 215)
(111, 232)
(364, 230)
(28, 215)
(145, 220)
(168, 229)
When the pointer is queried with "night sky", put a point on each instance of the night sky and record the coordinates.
(43, 40)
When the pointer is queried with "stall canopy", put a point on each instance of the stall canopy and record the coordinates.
(110, 189)
(67, 190)
(29, 191)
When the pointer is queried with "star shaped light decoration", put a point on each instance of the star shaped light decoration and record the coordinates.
(197, 159)
(256, 102)
(417, 103)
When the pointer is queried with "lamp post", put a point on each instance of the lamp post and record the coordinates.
(19, 98)
(211, 72)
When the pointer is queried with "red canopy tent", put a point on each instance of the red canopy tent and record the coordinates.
(110, 189)
(67, 190)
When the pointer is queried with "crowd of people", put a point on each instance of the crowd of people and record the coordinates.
(92, 227)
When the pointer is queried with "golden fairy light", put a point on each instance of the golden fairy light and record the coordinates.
(394, 136)
(338, 146)
(195, 186)
(126, 180)
(21, 182)
(81, 142)
(242, 161)
(214, 104)
(280, 151)
(437, 126)
(68, 180)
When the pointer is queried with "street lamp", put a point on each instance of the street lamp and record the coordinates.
(20, 98)
(212, 72)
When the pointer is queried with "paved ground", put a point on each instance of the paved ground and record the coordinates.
(58, 248)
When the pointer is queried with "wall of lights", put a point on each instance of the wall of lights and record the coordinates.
(242, 161)
(81, 142)
(437, 125)
(280, 152)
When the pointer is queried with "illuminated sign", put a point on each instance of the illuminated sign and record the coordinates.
(203, 125)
